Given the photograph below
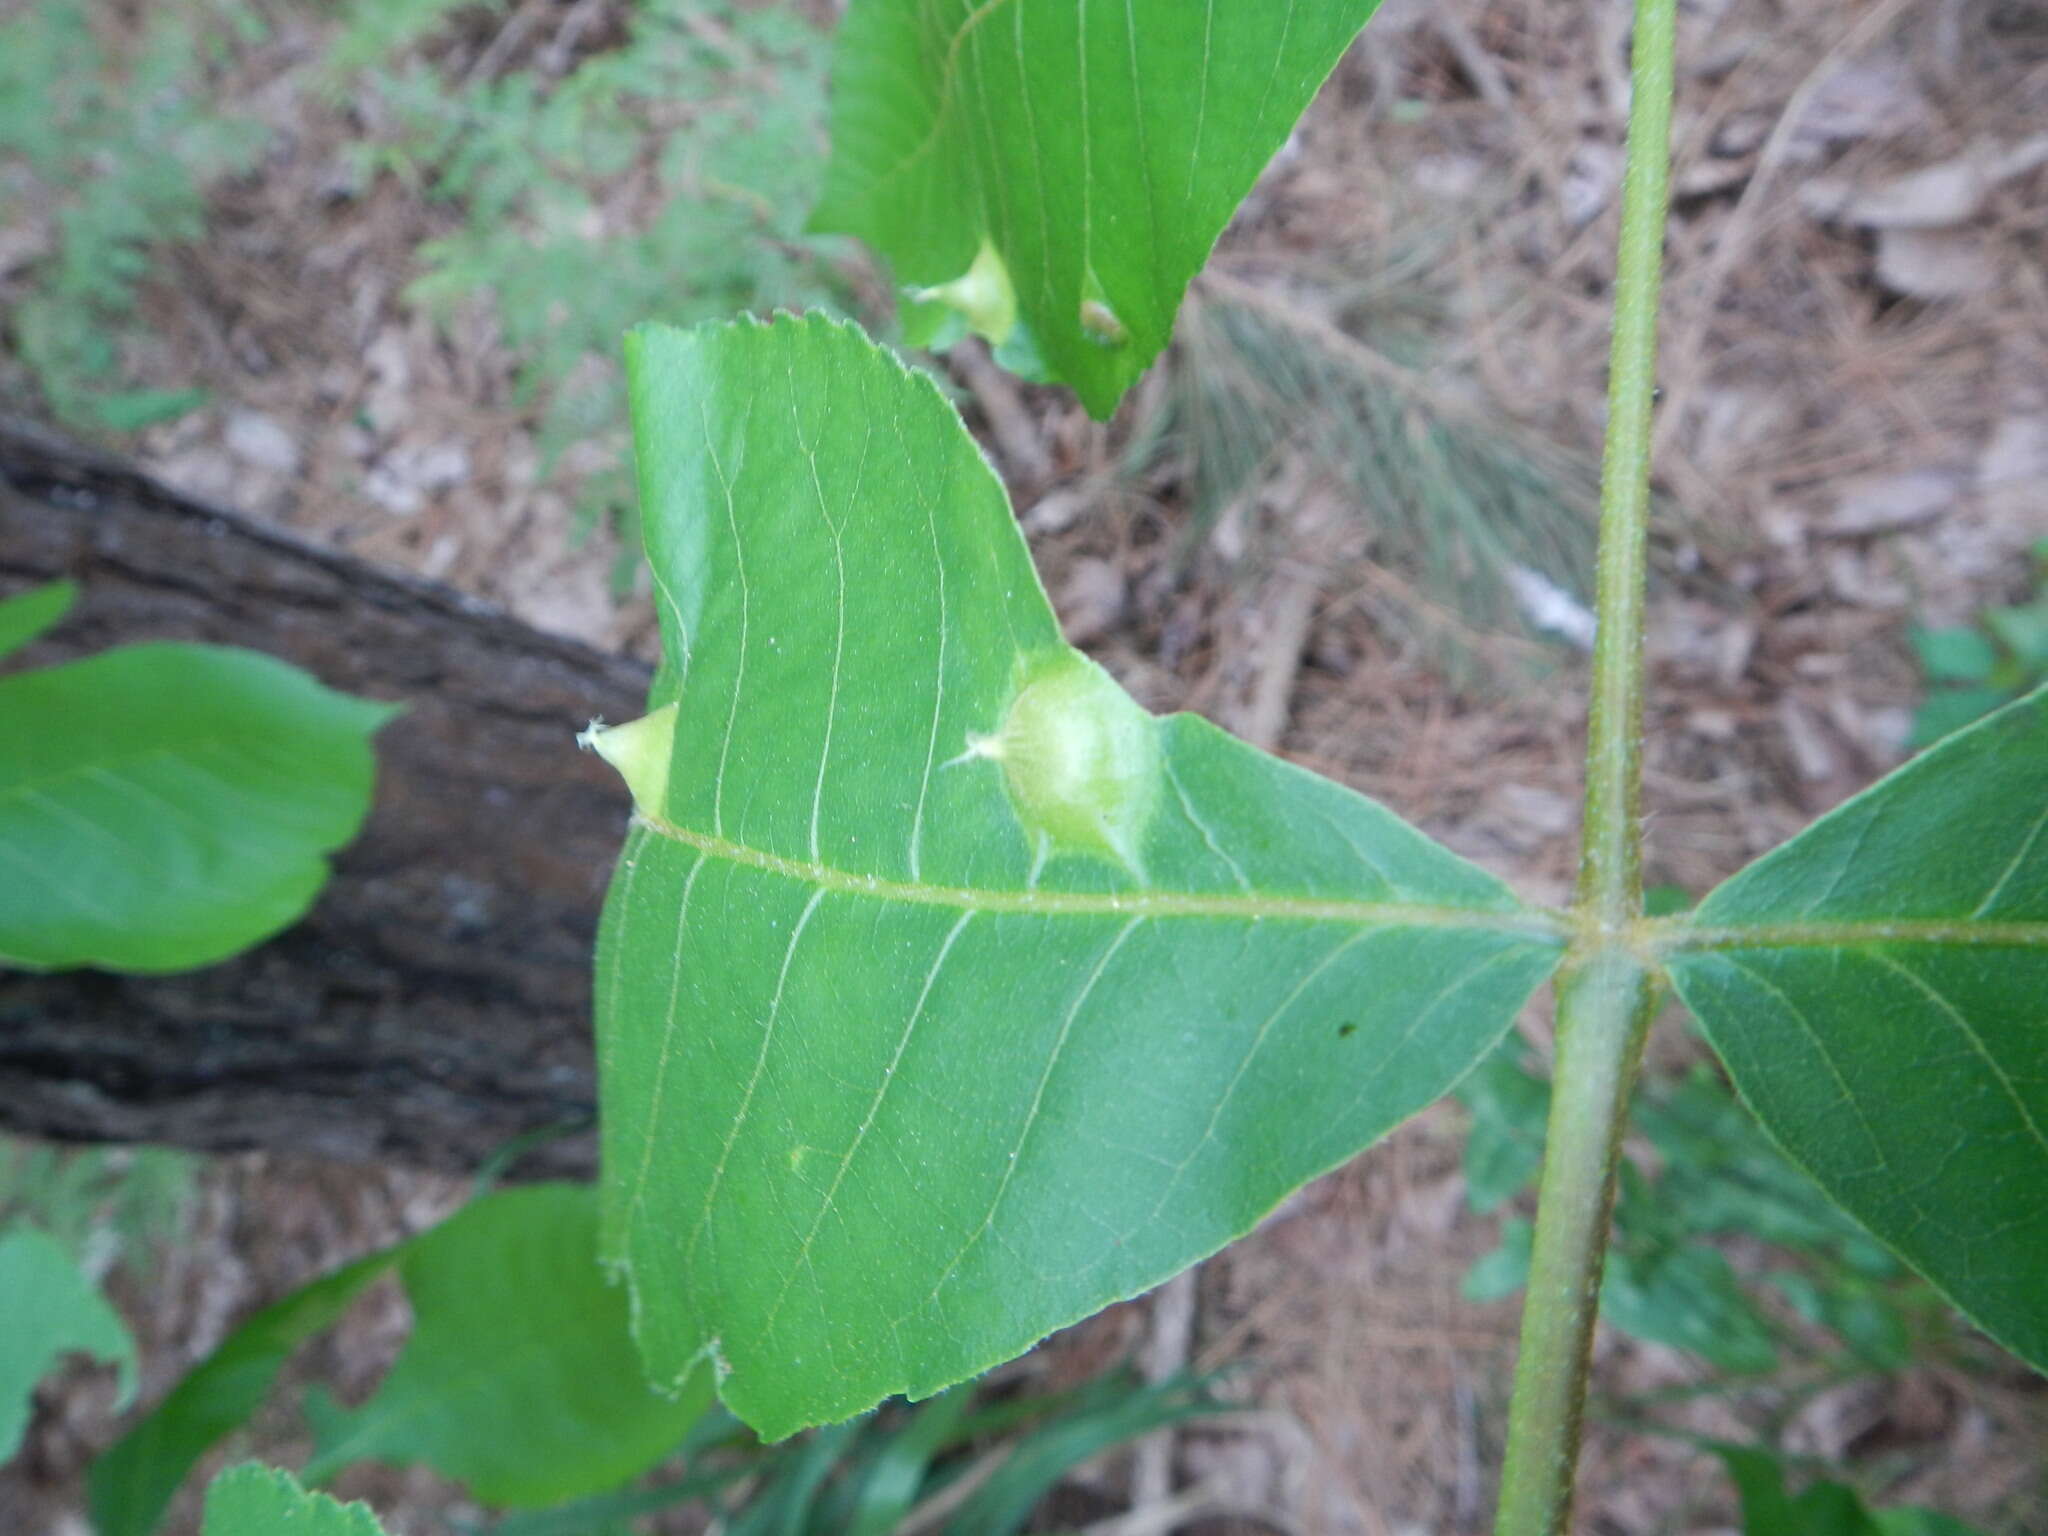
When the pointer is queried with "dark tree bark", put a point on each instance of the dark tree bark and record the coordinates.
(435, 1002)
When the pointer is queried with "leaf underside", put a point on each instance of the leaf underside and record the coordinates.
(1099, 149)
(1878, 988)
(163, 806)
(902, 1064)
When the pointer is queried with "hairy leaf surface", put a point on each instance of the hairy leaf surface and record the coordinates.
(1094, 148)
(163, 806)
(944, 995)
(1878, 988)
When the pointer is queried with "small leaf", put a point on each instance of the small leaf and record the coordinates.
(1000, 1506)
(1504, 1148)
(252, 1500)
(51, 1310)
(1687, 1297)
(1947, 710)
(2024, 632)
(1875, 988)
(1498, 1275)
(898, 1473)
(163, 806)
(28, 614)
(1956, 655)
(131, 410)
(950, 996)
(1081, 158)
(519, 1380)
(1824, 1509)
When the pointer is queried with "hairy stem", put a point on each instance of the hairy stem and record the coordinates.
(1610, 870)
(1605, 995)
(1603, 1012)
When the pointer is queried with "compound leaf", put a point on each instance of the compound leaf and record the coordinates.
(52, 1310)
(163, 806)
(253, 1500)
(520, 1380)
(1063, 169)
(1878, 988)
(945, 995)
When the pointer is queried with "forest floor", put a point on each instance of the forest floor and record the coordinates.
(1853, 440)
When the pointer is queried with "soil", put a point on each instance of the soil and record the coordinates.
(1853, 437)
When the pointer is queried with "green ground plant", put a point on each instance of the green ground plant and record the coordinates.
(707, 117)
(123, 149)
(1972, 669)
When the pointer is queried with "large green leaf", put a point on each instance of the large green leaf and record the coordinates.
(50, 1310)
(163, 806)
(1878, 988)
(252, 1500)
(1089, 154)
(944, 994)
(520, 1379)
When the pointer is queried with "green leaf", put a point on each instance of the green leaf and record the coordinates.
(783, 1505)
(132, 1483)
(27, 615)
(898, 1472)
(1947, 710)
(130, 410)
(51, 1311)
(1686, 1296)
(944, 995)
(1824, 1509)
(1955, 655)
(163, 806)
(1000, 1506)
(1875, 988)
(1723, 1174)
(1504, 1148)
(519, 1380)
(2023, 631)
(1498, 1275)
(252, 1500)
(1069, 163)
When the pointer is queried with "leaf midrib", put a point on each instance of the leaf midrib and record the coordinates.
(1674, 936)
(1539, 924)
(1657, 938)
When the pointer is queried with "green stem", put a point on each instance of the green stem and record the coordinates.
(1610, 871)
(1605, 996)
(1603, 1013)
